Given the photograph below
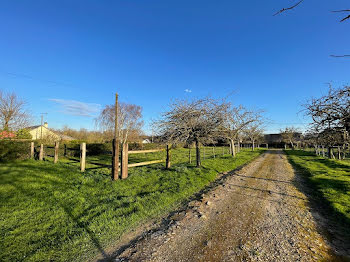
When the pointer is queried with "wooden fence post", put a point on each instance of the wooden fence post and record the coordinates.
(115, 153)
(31, 150)
(125, 160)
(65, 150)
(55, 160)
(41, 153)
(167, 163)
(82, 156)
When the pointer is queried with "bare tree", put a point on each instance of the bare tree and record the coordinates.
(254, 132)
(13, 115)
(129, 120)
(238, 118)
(331, 110)
(289, 135)
(198, 121)
(331, 116)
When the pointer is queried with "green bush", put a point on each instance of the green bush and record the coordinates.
(95, 149)
(14, 150)
(23, 134)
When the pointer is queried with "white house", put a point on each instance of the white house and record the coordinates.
(43, 132)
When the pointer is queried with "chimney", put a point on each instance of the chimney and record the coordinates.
(46, 125)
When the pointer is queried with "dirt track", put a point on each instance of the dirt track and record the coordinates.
(257, 214)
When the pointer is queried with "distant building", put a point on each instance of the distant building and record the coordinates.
(146, 141)
(273, 138)
(276, 140)
(43, 132)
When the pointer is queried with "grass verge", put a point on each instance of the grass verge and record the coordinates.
(55, 213)
(330, 183)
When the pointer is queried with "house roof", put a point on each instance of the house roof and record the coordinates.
(34, 127)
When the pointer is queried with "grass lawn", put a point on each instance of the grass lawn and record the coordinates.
(330, 179)
(55, 213)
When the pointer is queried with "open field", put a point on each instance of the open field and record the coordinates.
(54, 212)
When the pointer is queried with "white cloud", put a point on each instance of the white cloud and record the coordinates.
(77, 108)
(188, 90)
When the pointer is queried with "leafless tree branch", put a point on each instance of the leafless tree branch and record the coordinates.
(288, 8)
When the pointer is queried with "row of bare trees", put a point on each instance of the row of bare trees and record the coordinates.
(204, 120)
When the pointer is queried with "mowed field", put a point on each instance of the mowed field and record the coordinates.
(53, 212)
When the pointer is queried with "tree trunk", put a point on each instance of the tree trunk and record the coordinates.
(198, 155)
(329, 152)
(238, 146)
(253, 145)
(323, 152)
(233, 151)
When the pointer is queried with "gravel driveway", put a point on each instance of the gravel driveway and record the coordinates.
(256, 214)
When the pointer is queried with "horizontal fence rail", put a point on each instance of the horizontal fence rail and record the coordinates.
(144, 151)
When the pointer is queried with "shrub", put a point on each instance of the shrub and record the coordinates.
(13, 150)
(23, 134)
(7, 134)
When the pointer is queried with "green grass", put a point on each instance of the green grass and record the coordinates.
(55, 213)
(330, 180)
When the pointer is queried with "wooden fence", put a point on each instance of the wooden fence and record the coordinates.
(122, 166)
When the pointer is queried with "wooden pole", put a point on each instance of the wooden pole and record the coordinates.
(55, 160)
(168, 156)
(124, 164)
(65, 150)
(115, 154)
(82, 156)
(41, 153)
(31, 150)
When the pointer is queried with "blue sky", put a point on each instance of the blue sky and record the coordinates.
(68, 58)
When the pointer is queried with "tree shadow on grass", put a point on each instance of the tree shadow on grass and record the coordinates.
(19, 184)
(333, 224)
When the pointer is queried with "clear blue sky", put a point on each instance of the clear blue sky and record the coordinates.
(150, 52)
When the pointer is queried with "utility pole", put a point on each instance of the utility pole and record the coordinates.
(41, 127)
